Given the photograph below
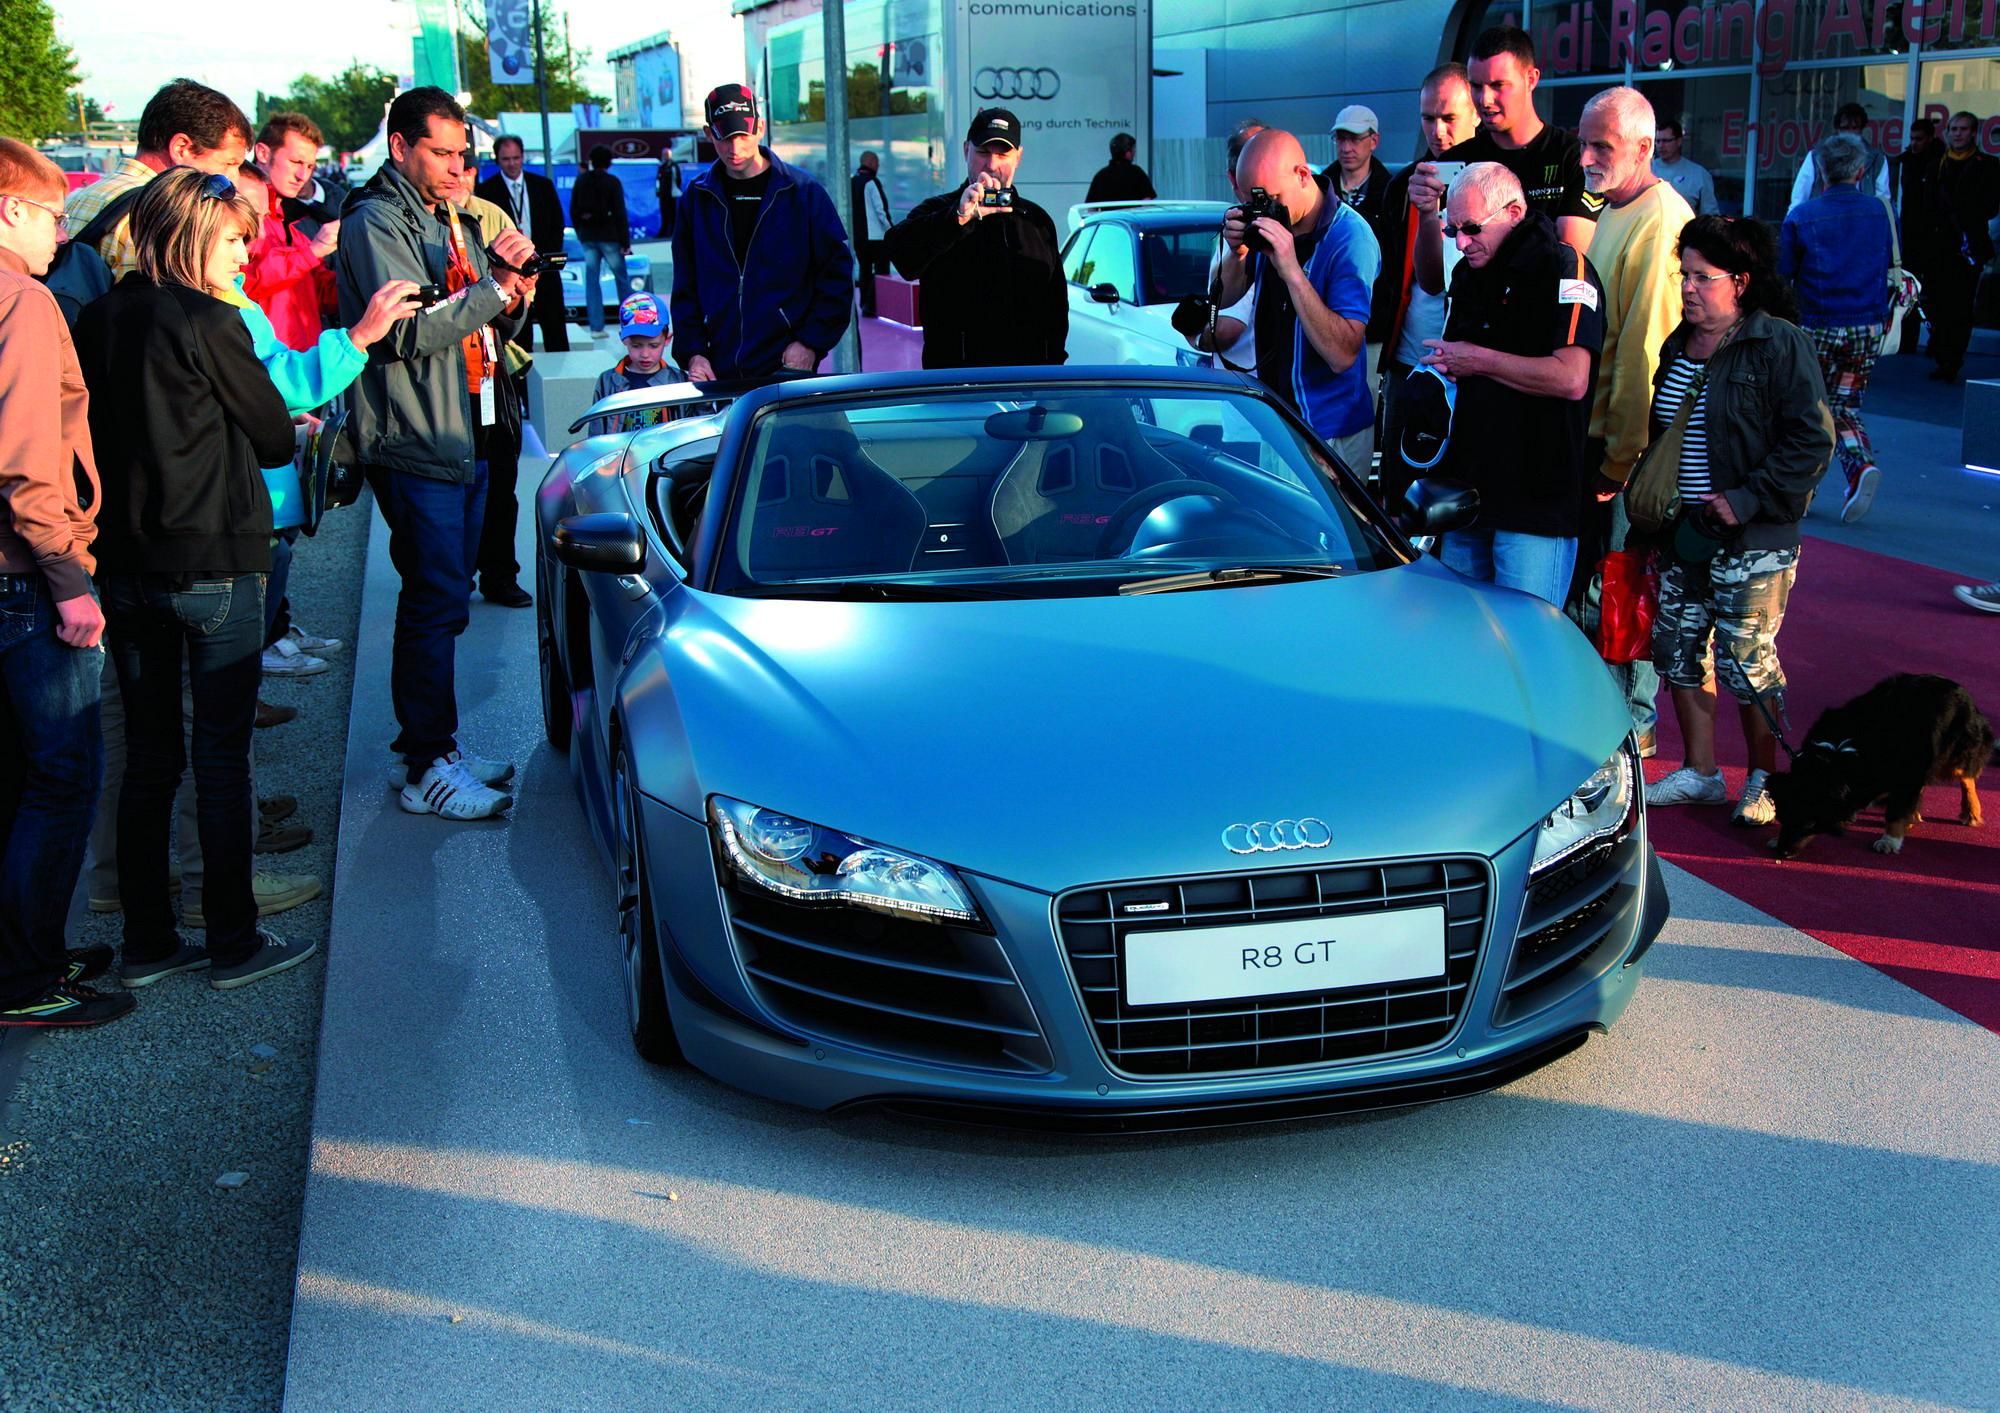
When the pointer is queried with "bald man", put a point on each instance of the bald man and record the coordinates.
(1313, 273)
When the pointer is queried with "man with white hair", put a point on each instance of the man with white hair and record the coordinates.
(1520, 347)
(1633, 251)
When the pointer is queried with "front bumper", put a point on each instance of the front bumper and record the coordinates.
(1518, 1012)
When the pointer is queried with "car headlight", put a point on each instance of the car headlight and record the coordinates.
(1190, 358)
(1606, 806)
(809, 863)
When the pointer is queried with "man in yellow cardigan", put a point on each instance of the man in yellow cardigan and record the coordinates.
(1633, 251)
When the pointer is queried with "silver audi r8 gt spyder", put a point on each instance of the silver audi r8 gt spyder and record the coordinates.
(1073, 746)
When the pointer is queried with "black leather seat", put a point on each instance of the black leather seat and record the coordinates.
(824, 510)
(1051, 506)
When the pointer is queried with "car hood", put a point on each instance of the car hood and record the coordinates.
(1065, 741)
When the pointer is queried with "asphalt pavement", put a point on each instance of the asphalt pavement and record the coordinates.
(1775, 1183)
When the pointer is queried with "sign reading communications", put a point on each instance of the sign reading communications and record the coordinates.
(1603, 36)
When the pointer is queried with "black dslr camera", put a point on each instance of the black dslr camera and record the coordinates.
(1261, 203)
(1001, 196)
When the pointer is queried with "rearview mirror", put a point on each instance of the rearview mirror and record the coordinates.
(606, 543)
(1104, 294)
(1433, 506)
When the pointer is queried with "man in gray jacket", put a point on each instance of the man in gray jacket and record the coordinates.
(422, 412)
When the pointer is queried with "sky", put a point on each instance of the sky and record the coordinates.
(128, 48)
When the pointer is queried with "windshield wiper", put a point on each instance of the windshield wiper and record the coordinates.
(881, 590)
(1221, 578)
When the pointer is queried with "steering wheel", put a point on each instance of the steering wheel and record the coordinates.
(1116, 541)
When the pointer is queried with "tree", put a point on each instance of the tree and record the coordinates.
(490, 99)
(348, 107)
(37, 72)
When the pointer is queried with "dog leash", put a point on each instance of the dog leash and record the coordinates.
(1756, 696)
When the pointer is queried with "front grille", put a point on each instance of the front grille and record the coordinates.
(915, 990)
(1294, 1029)
(1574, 922)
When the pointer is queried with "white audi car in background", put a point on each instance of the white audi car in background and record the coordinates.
(1128, 264)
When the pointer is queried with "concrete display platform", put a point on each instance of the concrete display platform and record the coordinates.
(1776, 1183)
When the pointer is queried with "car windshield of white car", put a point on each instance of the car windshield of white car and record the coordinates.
(1175, 264)
(1057, 490)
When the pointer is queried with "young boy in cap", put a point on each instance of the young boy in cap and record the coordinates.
(643, 329)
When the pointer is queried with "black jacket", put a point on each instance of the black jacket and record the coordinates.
(543, 221)
(181, 416)
(597, 208)
(1524, 452)
(993, 292)
(1374, 192)
(1121, 181)
(1770, 431)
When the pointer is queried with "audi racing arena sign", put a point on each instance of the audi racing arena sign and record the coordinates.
(1076, 73)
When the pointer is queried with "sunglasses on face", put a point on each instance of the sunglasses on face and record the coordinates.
(1471, 228)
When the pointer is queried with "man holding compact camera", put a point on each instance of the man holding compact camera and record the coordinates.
(990, 261)
(425, 409)
(1312, 260)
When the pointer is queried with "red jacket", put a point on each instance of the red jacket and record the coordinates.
(293, 286)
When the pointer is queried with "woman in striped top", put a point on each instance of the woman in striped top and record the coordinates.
(1757, 438)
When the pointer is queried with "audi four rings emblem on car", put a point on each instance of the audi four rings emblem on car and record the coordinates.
(1017, 83)
(1269, 837)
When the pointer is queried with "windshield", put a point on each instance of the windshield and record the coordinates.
(1065, 489)
(1176, 264)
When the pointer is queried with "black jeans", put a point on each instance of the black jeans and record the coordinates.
(217, 622)
(51, 763)
(495, 562)
(1949, 288)
(871, 258)
(433, 541)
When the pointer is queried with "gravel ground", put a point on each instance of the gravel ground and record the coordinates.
(128, 1278)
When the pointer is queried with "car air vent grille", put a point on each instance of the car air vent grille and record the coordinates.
(1272, 1032)
(1575, 923)
(916, 990)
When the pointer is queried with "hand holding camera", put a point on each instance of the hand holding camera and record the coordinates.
(1241, 228)
(984, 195)
(394, 302)
(516, 264)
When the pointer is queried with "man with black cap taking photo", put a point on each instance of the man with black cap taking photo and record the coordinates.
(989, 259)
(763, 278)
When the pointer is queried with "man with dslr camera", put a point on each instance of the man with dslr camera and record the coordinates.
(1313, 261)
(989, 259)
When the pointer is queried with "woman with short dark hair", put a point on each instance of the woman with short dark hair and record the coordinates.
(1757, 440)
(183, 415)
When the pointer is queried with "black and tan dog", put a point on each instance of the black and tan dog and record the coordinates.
(1887, 744)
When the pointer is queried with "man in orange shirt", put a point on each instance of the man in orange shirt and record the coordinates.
(51, 629)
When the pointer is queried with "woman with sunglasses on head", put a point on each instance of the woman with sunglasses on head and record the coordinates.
(1755, 442)
(183, 415)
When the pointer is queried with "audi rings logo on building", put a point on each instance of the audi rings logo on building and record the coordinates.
(1017, 83)
(1270, 837)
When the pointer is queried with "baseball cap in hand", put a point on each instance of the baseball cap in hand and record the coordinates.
(730, 109)
(1356, 118)
(994, 125)
(641, 314)
(1428, 400)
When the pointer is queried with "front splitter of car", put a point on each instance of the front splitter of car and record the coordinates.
(725, 1032)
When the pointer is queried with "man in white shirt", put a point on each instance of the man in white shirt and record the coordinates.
(1811, 182)
(1692, 180)
(871, 220)
(1233, 341)
(530, 198)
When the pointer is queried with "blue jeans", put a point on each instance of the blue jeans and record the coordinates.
(434, 543)
(217, 622)
(1535, 564)
(51, 764)
(277, 610)
(596, 255)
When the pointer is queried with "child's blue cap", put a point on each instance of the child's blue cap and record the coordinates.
(641, 314)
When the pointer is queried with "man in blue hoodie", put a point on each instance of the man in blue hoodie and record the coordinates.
(763, 278)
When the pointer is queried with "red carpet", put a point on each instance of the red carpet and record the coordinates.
(1930, 916)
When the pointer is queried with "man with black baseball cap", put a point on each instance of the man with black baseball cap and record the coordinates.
(989, 260)
(763, 277)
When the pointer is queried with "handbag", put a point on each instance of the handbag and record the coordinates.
(1628, 600)
(1653, 490)
(1905, 289)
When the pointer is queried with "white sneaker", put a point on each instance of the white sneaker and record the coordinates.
(285, 658)
(1862, 496)
(448, 789)
(1984, 597)
(1756, 807)
(1687, 786)
(310, 642)
(485, 771)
